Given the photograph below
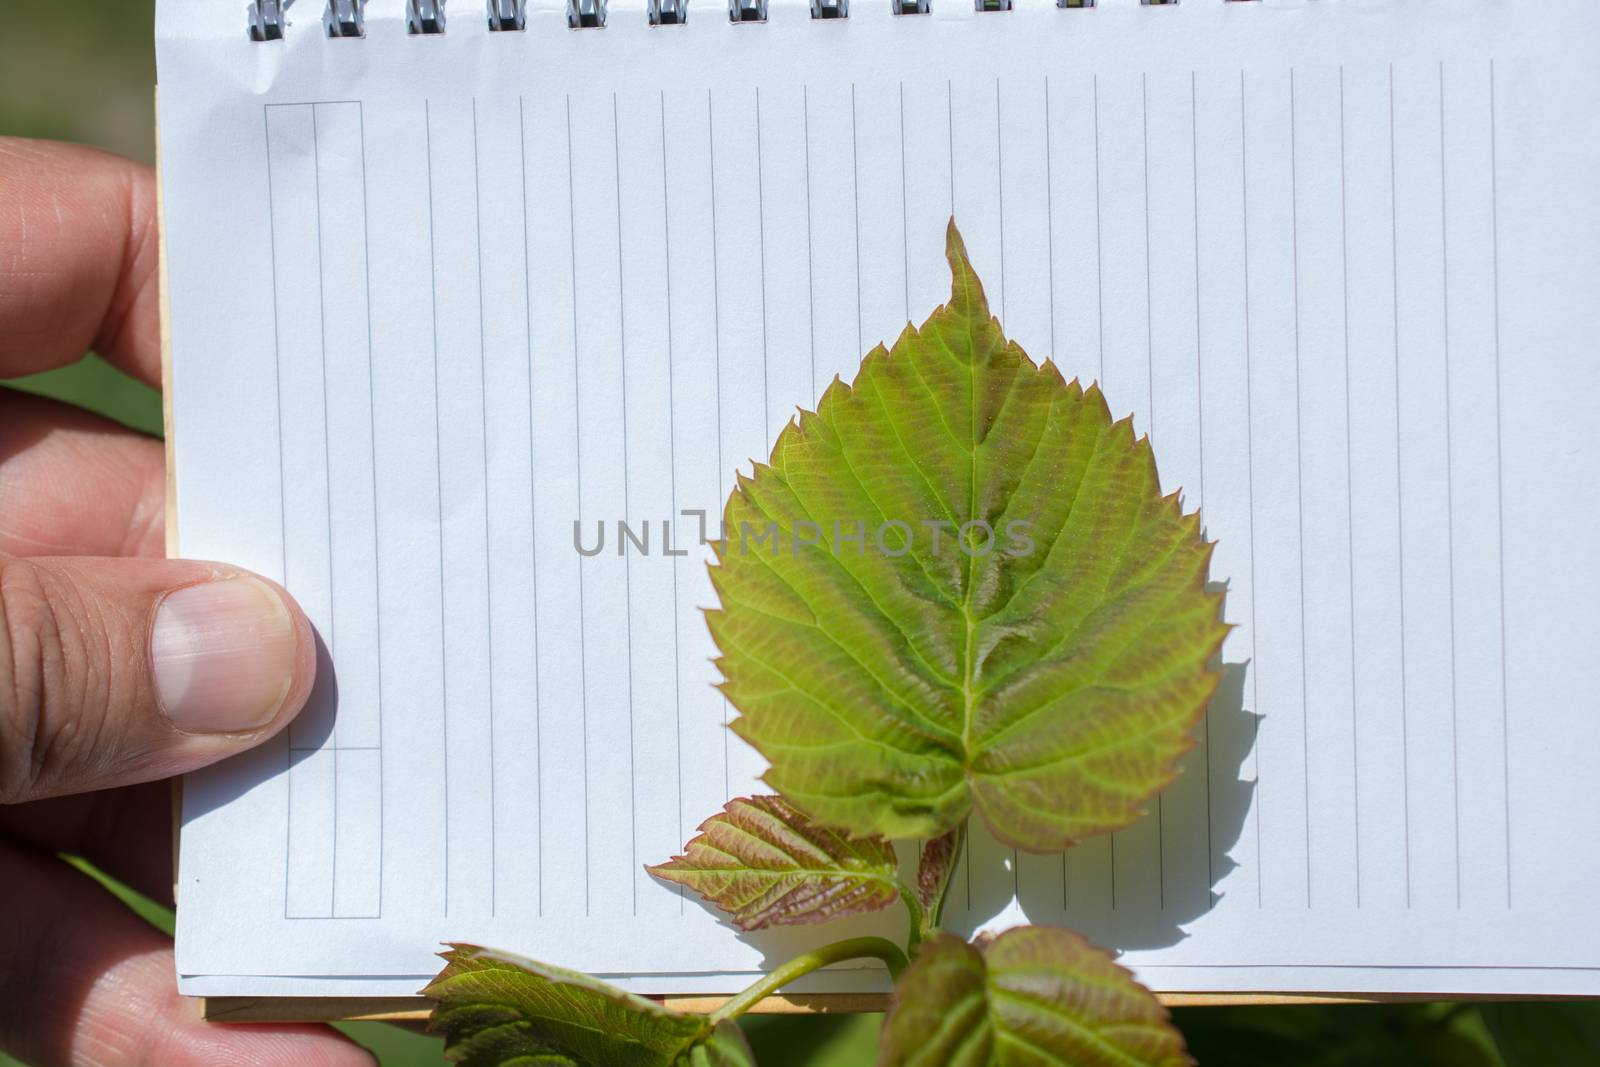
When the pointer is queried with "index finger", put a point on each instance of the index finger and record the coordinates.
(86, 981)
(78, 252)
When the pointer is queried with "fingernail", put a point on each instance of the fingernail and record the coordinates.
(223, 655)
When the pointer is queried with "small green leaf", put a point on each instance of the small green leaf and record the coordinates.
(497, 1009)
(726, 1047)
(1347, 1035)
(1035, 995)
(957, 585)
(1543, 1034)
(766, 864)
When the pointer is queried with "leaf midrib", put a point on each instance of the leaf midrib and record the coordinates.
(1066, 520)
(730, 825)
(572, 998)
(770, 874)
(1071, 1020)
(969, 697)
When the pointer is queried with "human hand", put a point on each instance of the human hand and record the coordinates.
(118, 668)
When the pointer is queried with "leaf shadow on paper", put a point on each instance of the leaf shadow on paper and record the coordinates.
(1157, 892)
(1139, 887)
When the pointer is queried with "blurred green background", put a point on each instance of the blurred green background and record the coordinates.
(83, 71)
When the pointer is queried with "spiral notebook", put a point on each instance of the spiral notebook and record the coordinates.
(446, 278)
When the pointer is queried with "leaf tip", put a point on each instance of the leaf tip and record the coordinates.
(966, 289)
(455, 951)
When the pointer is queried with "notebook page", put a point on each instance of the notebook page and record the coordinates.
(480, 286)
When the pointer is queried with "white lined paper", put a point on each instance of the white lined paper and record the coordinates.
(683, 267)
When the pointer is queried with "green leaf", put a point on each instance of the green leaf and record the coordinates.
(766, 864)
(815, 1040)
(497, 1009)
(1035, 995)
(1539, 1035)
(726, 1047)
(1341, 1035)
(896, 679)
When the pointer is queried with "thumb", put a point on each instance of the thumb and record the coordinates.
(115, 671)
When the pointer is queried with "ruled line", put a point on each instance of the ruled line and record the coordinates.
(283, 504)
(1099, 246)
(1000, 192)
(1499, 469)
(627, 567)
(1449, 478)
(1049, 221)
(1111, 838)
(1150, 392)
(1149, 323)
(533, 516)
(372, 445)
(672, 472)
(905, 221)
(1349, 477)
(1200, 428)
(1300, 470)
(761, 236)
(811, 267)
(438, 464)
(1250, 483)
(327, 488)
(716, 349)
(1399, 490)
(577, 465)
(488, 496)
(950, 129)
(855, 208)
(306, 103)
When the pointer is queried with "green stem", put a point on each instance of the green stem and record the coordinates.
(851, 949)
(919, 918)
(936, 913)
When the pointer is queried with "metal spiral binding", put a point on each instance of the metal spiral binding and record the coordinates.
(586, 14)
(267, 19)
(424, 16)
(669, 12)
(507, 15)
(345, 18)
